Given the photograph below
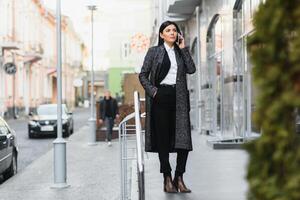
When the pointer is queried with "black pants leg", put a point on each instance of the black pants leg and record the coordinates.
(109, 123)
(161, 125)
(164, 115)
(182, 156)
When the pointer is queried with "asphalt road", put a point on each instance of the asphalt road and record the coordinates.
(31, 149)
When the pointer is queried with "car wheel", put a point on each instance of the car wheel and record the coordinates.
(13, 168)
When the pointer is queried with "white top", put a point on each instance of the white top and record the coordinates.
(170, 79)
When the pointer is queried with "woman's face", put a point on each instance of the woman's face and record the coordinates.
(169, 34)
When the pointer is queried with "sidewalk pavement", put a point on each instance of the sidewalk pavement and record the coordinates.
(210, 174)
(93, 172)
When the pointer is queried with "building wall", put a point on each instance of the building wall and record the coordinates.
(130, 84)
(116, 77)
(120, 21)
(221, 91)
(30, 28)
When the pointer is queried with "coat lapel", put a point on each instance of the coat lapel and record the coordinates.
(179, 62)
(159, 60)
(160, 56)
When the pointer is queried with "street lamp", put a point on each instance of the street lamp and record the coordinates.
(60, 158)
(92, 121)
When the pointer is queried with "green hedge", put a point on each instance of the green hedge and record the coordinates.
(274, 165)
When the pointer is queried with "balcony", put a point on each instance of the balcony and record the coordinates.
(6, 45)
(33, 53)
(32, 57)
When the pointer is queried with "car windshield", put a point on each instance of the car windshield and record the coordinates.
(49, 110)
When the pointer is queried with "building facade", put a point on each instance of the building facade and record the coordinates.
(121, 38)
(221, 91)
(28, 39)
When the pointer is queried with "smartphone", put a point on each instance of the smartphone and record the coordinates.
(179, 38)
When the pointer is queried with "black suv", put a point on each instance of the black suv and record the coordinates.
(8, 151)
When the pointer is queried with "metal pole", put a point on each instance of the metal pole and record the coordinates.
(199, 81)
(249, 101)
(14, 75)
(14, 96)
(121, 160)
(140, 158)
(124, 162)
(244, 92)
(92, 120)
(2, 83)
(60, 167)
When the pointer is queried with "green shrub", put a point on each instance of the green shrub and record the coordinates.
(274, 165)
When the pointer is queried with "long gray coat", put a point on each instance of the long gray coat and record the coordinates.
(152, 63)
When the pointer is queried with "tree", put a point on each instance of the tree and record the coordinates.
(274, 163)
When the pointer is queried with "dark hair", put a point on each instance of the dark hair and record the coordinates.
(161, 29)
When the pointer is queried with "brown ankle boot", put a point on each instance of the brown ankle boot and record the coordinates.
(169, 186)
(180, 186)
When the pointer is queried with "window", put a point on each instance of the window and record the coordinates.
(213, 71)
(246, 92)
(218, 33)
(126, 50)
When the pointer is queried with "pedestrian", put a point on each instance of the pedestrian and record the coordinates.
(109, 111)
(163, 76)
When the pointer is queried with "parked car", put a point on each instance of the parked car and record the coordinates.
(8, 151)
(44, 121)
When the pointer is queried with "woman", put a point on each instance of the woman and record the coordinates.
(163, 76)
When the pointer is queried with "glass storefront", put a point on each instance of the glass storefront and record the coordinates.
(212, 88)
(193, 85)
(246, 102)
(227, 94)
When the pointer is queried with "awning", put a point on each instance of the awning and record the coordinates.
(182, 9)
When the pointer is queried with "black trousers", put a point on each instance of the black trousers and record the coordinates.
(164, 116)
(109, 123)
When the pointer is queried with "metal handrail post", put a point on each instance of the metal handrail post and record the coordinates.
(140, 161)
(121, 160)
(123, 154)
(125, 161)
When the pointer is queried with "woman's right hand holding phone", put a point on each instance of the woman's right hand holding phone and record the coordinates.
(180, 42)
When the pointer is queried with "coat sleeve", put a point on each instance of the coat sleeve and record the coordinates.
(145, 72)
(188, 61)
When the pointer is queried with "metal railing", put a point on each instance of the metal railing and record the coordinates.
(139, 148)
(128, 144)
(124, 139)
